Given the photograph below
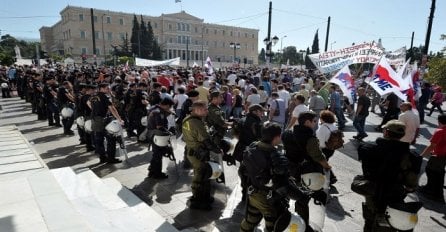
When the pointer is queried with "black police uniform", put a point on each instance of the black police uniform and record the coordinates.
(100, 103)
(382, 164)
(38, 101)
(52, 105)
(64, 101)
(157, 124)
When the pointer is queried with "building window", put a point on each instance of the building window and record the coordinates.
(121, 21)
(187, 27)
(230, 33)
(207, 31)
(207, 43)
(81, 17)
(83, 34)
(179, 39)
(110, 36)
(69, 33)
(246, 35)
(223, 32)
(253, 36)
(95, 19)
(96, 34)
(170, 27)
(83, 50)
(170, 40)
(215, 44)
(155, 25)
(178, 26)
(196, 42)
(183, 27)
(122, 36)
(110, 51)
(108, 19)
(98, 52)
(215, 31)
(238, 34)
(223, 44)
(196, 29)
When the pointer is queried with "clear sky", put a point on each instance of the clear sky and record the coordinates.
(352, 21)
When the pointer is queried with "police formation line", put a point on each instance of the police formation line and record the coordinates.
(275, 165)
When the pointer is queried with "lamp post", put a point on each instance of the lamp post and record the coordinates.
(281, 48)
(331, 45)
(269, 44)
(235, 46)
(103, 36)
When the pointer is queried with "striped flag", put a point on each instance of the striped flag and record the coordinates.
(177, 1)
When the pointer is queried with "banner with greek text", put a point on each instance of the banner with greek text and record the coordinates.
(331, 61)
(150, 63)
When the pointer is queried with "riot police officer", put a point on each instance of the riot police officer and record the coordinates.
(84, 111)
(50, 95)
(101, 105)
(67, 100)
(198, 145)
(158, 126)
(216, 118)
(266, 168)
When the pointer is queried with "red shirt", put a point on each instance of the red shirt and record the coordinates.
(164, 81)
(439, 138)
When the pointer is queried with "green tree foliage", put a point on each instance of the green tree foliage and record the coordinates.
(7, 52)
(262, 59)
(135, 39)
(154, 47)
(308, 63)
(437, 71)
(290, 53)
(315, 46)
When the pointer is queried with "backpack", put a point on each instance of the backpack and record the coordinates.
(257, 166)
(294, 150)
(335, 141)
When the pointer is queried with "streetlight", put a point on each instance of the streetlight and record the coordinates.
(269, 43)
(103, 36)
(281, 48)
(331, 45)
(235, 46)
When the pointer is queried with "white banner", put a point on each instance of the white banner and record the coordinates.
(397, 57)
(334, 60)
(150, 63)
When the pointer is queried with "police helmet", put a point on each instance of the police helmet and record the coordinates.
(114, 128)
(4, 85)
(87, 126)
(403, 216)
(289, 222)
(80, 121)
(161, 138)
(215, 170)
(67, 112)
(313, 181)
(144, 121)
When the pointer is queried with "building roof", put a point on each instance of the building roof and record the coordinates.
(182, 15)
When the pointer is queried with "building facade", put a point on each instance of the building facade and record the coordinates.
(179, 35)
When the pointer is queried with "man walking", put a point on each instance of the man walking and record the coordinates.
(362, 111)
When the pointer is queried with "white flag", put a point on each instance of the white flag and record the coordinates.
(344, 79)
(209, 65)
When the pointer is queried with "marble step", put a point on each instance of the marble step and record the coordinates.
(102, 209)
(151, 219)
(56, 209)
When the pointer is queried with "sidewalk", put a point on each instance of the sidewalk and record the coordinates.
(168, 197)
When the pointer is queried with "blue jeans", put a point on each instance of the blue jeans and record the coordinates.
(227, 109)
(237, 112)
(359, 124)
(340, 116)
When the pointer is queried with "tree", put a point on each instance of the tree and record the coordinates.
(443, 37)
(415, 53)
(262, 59)
(146, 41)
(308, 63)
(315, 46)
(135, 39)
(437, 71)
(290, 53)
(154, 47)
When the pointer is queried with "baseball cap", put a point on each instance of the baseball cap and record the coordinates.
(395, 126)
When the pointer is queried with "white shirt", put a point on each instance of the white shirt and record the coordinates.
(285, 96)
(323, 133)
(253, 99)
(412, 122)
(180, 99)
(231, 78)
(241, 83)
(298, 110)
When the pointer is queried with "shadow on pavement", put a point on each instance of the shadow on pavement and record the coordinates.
(335, 210)
(65, 157)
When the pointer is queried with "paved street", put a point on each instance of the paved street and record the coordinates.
(168, 197)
